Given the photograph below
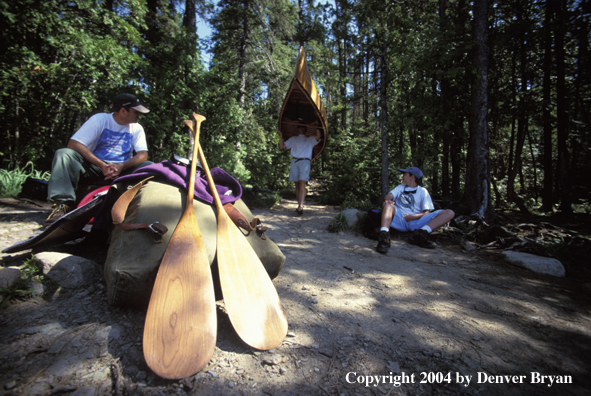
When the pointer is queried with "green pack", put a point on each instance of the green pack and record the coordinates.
(133, 257)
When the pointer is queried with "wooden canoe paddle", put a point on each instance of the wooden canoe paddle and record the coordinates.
(250, 297)
(181, 324)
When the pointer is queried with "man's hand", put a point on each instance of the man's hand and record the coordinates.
(281, 140)
(112, 171)
(389, 197)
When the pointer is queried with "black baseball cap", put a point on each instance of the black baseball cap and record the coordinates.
(129, 100)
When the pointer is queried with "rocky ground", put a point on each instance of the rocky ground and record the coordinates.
(412, 322)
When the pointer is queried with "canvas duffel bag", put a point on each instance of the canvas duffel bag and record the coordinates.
(133, 257)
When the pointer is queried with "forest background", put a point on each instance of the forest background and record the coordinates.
(491, 99)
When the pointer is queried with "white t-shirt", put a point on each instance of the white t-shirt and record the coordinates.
(301, 146)
(110, 141)
(408, 202)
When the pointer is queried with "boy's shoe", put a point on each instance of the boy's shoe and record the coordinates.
(59, 210)
(421, 238)
(383, 242)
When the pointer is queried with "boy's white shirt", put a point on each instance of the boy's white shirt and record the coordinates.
(411, 203)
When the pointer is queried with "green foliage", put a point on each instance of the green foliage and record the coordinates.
(356, 176)
(11, 182)
(31, 271)
(63, 60)
(338, 223)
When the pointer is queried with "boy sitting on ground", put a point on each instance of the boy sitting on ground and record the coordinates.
(409, 208)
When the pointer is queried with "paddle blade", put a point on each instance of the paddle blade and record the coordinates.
(181, 326)
(250, 297)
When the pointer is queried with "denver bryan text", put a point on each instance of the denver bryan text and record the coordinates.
(534, 378)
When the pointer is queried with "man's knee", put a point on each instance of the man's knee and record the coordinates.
(65, 153)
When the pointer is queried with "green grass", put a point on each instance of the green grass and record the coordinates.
(11, 182)
(31, 271)
(338, 223)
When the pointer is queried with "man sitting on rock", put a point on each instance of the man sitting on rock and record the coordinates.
(107, 146)
(409, 208)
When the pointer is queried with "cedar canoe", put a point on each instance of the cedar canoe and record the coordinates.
(302, 106)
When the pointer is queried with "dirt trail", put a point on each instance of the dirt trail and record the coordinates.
(429, 318)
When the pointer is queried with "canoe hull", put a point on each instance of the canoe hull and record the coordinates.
(302, 106)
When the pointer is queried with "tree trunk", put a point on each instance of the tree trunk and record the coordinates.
(547, 201)
(243, 55)
(456, 159)
(384, 122)
(447, 101)
(562, 115)
(477, 198)
(522, 126)
(189, 19)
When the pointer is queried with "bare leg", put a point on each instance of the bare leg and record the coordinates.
(441, 219)
(387, 214)
(300, 188)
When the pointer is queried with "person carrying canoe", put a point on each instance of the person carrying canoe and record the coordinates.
(301, 147)
(102, 149)
(409, 207)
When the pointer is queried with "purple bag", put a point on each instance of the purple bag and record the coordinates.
(168, 172)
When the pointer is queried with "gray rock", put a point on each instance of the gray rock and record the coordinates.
(351, 216)
(68, 271)
(9, 276)
(86, 391)
(544, 265)
(272, 359)
(9, 385)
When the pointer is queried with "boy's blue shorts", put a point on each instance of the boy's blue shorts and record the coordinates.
(400, 224)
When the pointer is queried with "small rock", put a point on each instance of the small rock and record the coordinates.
(291, 334)
(544, 265)
(9, 385)
(86, 391)
(67, 270)
(231, 385)
(315, 301)
(9, 276)
(213, 374)
(468, 246)
(272, 359)
(394, 367)
(351, 216)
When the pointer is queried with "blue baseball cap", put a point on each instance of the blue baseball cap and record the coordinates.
(413, 170)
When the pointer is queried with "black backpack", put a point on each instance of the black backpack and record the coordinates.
(373, 224)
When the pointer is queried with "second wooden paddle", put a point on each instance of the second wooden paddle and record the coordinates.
(181, 324)
(250, 297)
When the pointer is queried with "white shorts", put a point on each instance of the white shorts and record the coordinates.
(299, 170)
